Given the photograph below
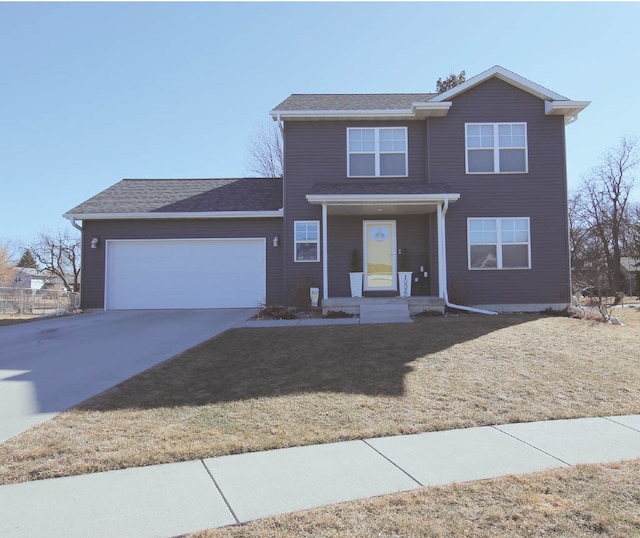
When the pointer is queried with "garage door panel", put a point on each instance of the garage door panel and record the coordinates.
(199, 273)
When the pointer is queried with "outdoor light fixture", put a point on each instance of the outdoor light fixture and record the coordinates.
(94, 242)
(275, 241)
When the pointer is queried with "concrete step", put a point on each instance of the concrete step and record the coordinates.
(385, 313)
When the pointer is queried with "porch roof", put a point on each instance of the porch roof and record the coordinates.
(399, 198)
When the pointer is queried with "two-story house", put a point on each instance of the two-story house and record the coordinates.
(469, 184)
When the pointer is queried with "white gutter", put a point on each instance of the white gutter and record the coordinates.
(171, 215)
(362, 199)
(569, 109)
(406, 113)
(417, 110)
(442, 264)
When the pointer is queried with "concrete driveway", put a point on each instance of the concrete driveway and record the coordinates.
(50, 365)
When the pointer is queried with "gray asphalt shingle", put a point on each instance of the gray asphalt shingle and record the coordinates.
(185, 195)
(362, 101)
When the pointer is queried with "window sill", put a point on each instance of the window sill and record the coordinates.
(499, 268)
(375, 177)
(496, 173)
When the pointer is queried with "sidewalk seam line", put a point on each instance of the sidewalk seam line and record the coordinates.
(393, 463)
(532, 446)
(224, 498)
(621, 424)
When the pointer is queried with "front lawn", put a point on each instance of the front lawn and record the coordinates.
(256, 389)
(583, 501)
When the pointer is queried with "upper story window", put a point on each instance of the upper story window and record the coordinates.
(307, 241)
(499, 243)
(496, 148)
(376, 151)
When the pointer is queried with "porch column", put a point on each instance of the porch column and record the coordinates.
(440, 252)
(325, 274)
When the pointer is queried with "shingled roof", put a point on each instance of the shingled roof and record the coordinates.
(360, 101)
(138, 196)
(391, 188)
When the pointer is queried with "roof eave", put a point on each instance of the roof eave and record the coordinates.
(354, 199)
(568, 109)
(417, 111)
(176, 215)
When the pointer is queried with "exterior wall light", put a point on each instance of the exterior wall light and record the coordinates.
(275, 241)
(94, 242)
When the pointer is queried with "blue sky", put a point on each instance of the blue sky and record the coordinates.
(91, 93)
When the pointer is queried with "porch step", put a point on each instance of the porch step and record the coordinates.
(388, 312)
(351, 305)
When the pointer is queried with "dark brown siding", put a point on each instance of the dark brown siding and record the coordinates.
(93, 260)
(539, 194)
(316, 152)
(346, 234)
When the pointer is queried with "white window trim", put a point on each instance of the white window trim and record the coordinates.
(376, 151)
(498, 244)
(496, 148)
(295, 241)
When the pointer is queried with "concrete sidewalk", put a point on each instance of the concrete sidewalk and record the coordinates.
(173, 499)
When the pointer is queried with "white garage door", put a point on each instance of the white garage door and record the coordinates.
(185, 273)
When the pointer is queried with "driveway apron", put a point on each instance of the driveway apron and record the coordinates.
(48, 366)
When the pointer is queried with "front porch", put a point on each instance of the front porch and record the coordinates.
(352, 305)
(381, 223)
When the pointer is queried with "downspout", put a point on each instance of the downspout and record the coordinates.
(443, 266)
(280, 123)
(73, 222)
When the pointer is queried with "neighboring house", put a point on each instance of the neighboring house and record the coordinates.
(631, 274)
(471, 183)
(27, 277)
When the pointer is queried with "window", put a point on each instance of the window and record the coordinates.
(496, 148)
(499, 243)
(307, 241)
(377, 151)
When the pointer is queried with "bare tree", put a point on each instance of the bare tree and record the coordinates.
(6, 267)
(603, 207)
(634, 240)
(266, 151)
(58, 254)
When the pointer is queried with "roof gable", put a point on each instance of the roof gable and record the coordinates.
(507, 76)
(408, 106)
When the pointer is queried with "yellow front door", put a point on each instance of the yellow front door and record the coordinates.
(380, 255)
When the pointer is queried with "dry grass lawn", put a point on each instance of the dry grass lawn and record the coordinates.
(594, 500)
(256, 389)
